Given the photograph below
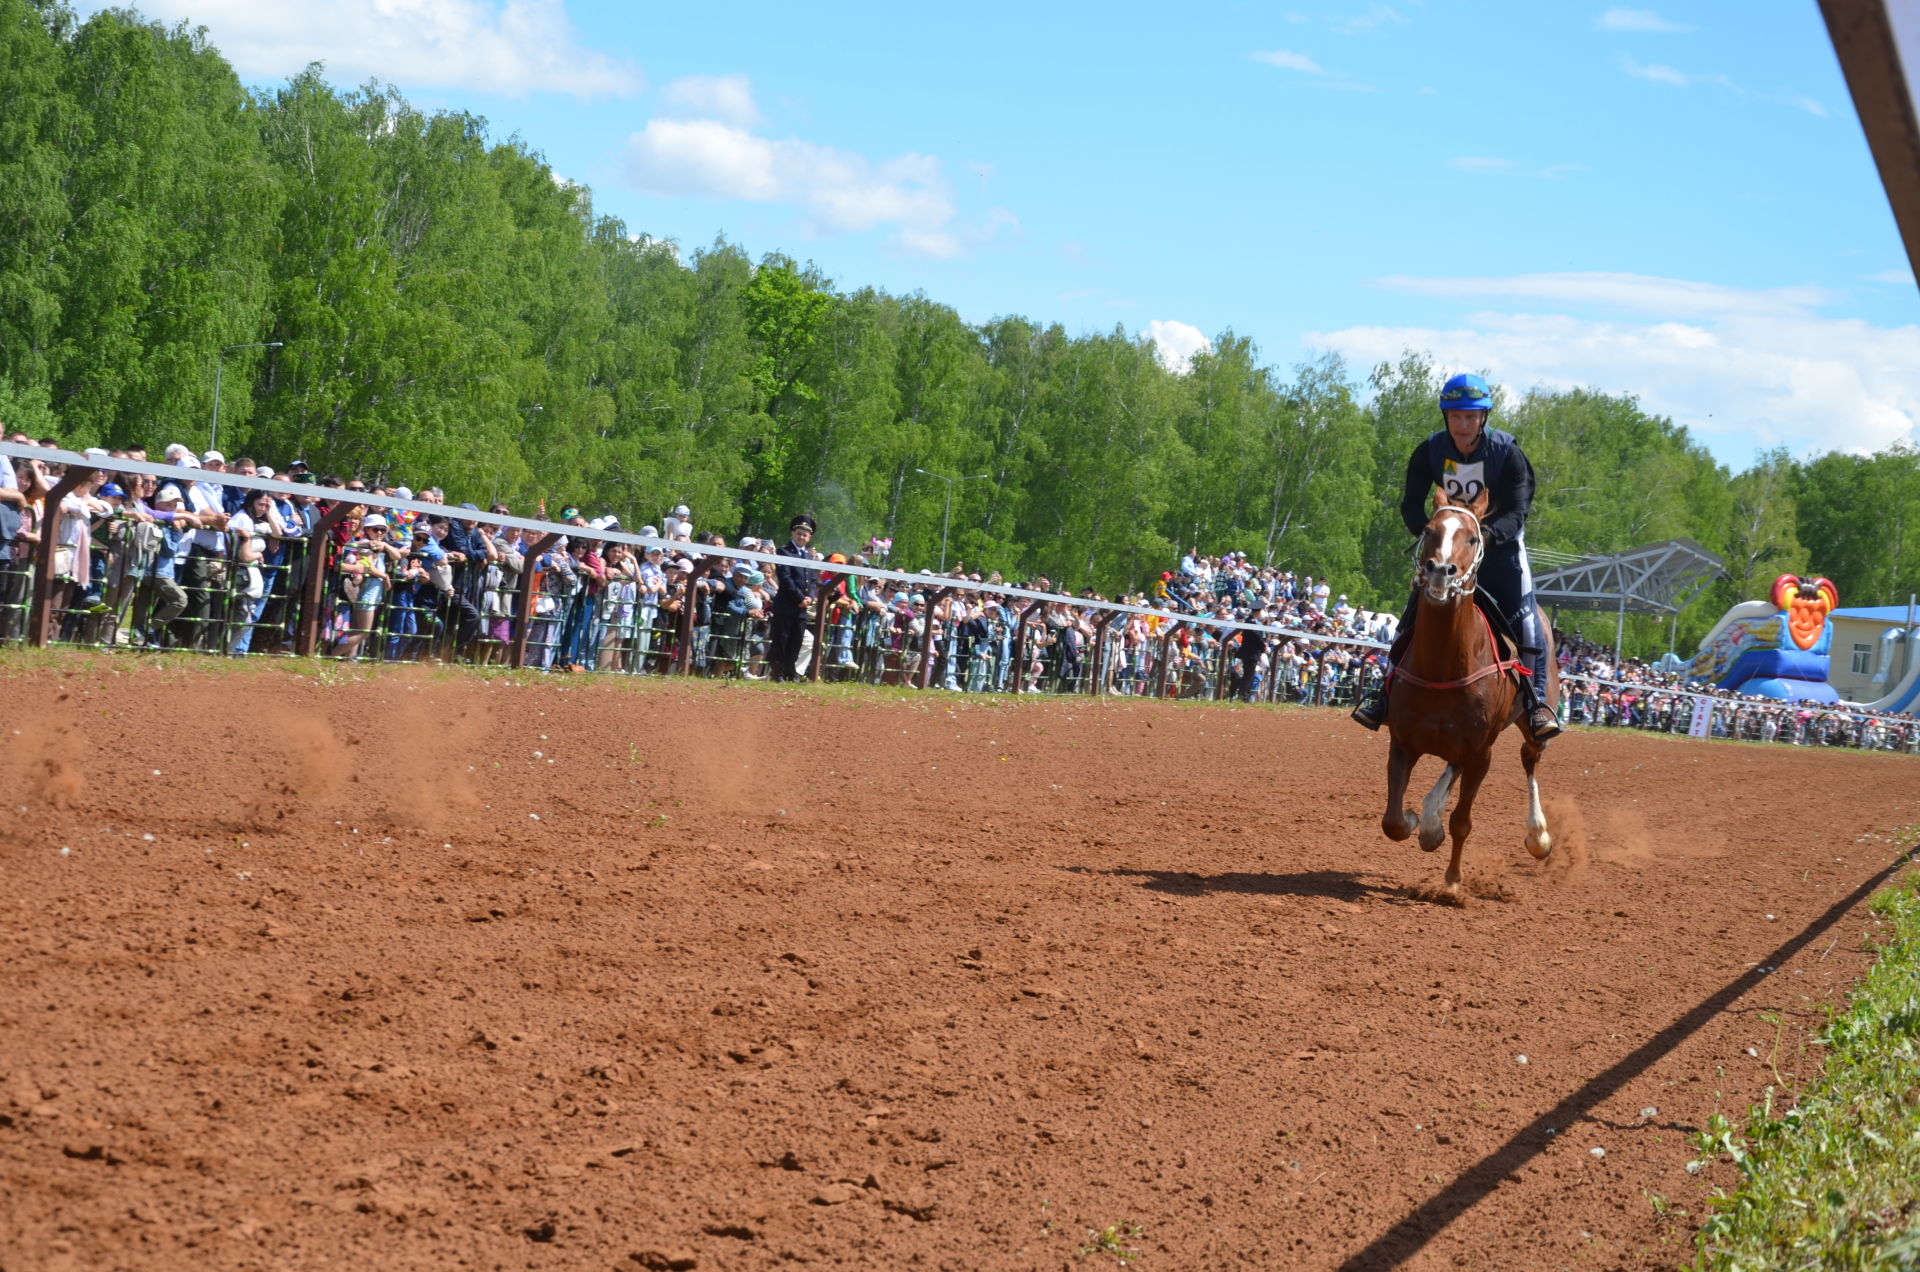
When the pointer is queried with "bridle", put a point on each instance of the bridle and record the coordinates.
(1456, 585)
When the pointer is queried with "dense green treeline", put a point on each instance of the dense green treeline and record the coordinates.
(450, 313)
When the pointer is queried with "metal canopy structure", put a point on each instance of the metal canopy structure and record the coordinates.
(1869, 37)
(1659, 578)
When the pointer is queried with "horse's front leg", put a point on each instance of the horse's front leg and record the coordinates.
(1472, 774)
(1433, 831)
(1398, 819)
(1539, 839)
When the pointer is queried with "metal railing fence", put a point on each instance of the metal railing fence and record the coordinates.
(330, 593)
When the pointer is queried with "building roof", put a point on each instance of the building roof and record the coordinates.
(1659, 578)
(1875, 613)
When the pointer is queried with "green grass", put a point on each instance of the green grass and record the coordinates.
(1833, 1181)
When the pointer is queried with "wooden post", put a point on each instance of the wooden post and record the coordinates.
(530, 555)
(1160, 672)
(1227, 641)
(1020, 646)
(926, 637)
(1094, 677)
(40, 617)
(313, 589)
(822, 595)
(682, 662)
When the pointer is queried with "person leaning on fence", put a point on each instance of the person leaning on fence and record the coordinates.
(361, 585)
(619, 609)
(577, 633)
(13, 506)
(791, 599)
(733, 608)
(251, 526)
(471, 552)
(176, 537)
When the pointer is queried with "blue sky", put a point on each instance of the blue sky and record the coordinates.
(1675, 202)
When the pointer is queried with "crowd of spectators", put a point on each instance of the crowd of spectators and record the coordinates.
(183, 562)
(1604, 689)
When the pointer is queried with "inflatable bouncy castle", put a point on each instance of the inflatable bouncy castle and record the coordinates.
(1776, 648)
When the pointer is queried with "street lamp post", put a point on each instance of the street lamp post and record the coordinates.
(219, 365)
(946, 518)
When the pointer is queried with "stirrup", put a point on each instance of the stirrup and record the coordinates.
(1543, 725)
(1369, 715)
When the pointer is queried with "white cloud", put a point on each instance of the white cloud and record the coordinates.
(1288, 60)
(840, 191)
(1657, 73)
(1375, 17)
(1899, 277)
(513, 47)
(1480, 164)
(1741, 369)
(1645, 20)
(1686, 79)
(1175, 343)
(1640, 293)
(728, 98)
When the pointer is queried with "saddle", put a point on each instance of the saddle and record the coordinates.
(1506, 642)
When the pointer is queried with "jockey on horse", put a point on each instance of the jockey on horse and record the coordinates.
(1463, 459)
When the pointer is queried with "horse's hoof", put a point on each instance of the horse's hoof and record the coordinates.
(1432, 842)
(1541, 845)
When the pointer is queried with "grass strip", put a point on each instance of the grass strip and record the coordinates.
(1833, 1182)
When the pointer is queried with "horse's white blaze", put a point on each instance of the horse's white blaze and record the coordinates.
(1436, 803)
(1539, 841)
(1447, 531)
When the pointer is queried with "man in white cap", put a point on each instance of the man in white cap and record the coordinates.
(204, 573)
(176, 537)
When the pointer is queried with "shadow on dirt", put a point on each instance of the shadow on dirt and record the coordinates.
(1408, 1237)
(1336, 885)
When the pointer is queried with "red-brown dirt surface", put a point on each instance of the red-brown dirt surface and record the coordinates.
(437, 971)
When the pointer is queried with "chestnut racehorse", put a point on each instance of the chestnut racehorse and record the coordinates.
(1452, 693)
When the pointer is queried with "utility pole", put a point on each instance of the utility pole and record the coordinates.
(219, 365)
(946, 517)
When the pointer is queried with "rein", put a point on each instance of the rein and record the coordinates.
(1493, 669)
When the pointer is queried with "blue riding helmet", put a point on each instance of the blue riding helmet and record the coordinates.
(1466, 393)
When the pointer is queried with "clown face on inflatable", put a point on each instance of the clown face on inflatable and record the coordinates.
(1777, 648)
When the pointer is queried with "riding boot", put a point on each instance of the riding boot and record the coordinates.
(1542, 723)
(1371, 712)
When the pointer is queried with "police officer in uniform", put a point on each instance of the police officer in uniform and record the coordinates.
(1463, 459)
(794, 589)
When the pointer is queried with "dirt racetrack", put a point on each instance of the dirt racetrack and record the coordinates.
(434, 971)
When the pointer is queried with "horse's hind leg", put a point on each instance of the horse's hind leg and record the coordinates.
(1539, 840)
(1471, 775)
(1397, 821)
(1432, 831)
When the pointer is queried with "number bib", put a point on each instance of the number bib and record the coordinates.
(1463, 479)
(1463, 482)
